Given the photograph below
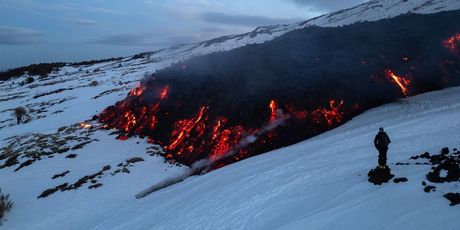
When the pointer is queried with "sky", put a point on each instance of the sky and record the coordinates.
(37, 31)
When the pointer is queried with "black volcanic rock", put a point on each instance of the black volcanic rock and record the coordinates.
(429, 188)
(380, 176)
(400, 179)
(454, 198)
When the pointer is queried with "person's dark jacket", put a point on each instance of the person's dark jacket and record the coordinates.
(381, 140)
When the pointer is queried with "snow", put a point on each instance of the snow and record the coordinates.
(83, 207)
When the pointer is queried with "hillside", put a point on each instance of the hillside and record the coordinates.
(320, 183)
(97, 133)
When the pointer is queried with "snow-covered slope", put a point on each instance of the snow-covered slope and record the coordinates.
(317, 184)
(370, 11)
(320, 183)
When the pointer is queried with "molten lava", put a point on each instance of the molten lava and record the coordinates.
(85, 125)
(164, 92)
(401, 82)
(204, 134)
(274, 111)
(332, 115)
(183, 130)
(138, 91)
(452, 43)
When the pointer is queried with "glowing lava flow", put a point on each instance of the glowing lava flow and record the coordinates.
(274, 111)
(138, 91)
(164, 93)
(85, 125)
(134, 119)
(400, 81)
(205, 135)
(224, 139)
(183, 130)
(332, 115)
(452, 43)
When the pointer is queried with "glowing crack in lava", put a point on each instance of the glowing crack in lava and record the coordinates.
(401, 82)
(452, 43)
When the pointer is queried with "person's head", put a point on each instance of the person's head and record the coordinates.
(381, 129)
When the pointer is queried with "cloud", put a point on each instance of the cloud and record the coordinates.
(18, 36)
(130, 39)
(84, 22)
(70, 6)
(243, 20)
(146, 39)
(330, 5)
(93, 9)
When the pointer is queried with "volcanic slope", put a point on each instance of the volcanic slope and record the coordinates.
(320, 183)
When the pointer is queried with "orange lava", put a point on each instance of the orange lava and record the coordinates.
(332, 115)
(401, 82)
(452, 43)
(138, 91)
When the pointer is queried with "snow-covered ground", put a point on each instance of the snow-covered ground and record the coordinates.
(320, 183)
(78, 101)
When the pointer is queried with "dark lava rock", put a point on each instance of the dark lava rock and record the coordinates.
(445, 150)
(379, 176)
(454, 198)
(95, 186)
(64, 150)
(400, 179)
(71, 156)
(448, 164)
(429, 188)
(47, 192)
(60, 175)
(134, 160)
(107, 167)
(10, 161)
(25, 164)
(50, 191)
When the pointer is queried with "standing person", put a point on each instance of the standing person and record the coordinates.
(381, 142)
(20, 112)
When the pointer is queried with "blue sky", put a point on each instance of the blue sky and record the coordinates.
(34, 31)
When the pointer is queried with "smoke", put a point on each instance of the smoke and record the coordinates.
(203, 166)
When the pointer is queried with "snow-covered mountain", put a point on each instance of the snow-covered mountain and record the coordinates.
(370, 11)
(90, 178)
